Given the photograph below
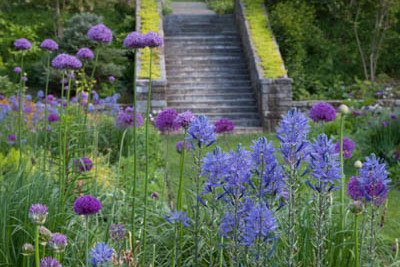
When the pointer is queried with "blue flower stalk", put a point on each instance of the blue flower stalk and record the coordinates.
(325, 172)
(292, 134)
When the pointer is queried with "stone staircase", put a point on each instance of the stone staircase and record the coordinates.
(207, 71)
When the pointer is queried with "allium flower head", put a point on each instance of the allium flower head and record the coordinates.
(101, 254)
(64, 61)
(22, 44)
(17, 69)
(224, 126)
(184, 119)
(85, 53)
(179, 146)
(44, 235)
(87, 205)
(53, 118)
(201, 132)
(58, 242)
(135, 40)
(125, 119)
(292, 133)
(38, 213)
(324, 165)
(117, 232)
(322, 112)
(165, 120)
(84, 164)
(176, 217)
(49, 45)
(49, 262)
(12, 138)
(111, 78)
(100, 33)
(153, 39)
(354, 188)
(28, 249)
(24, 79)
(348, 147)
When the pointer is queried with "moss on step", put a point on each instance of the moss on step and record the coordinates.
(263, 40)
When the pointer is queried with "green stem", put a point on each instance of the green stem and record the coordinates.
(20, 118)
(60, 145)
(46, 112)
(153, 262)
(342, 190)
(87, 240)
(357, 256)
(147, 161)
(37, 258)
(221, 252)
(134, 149)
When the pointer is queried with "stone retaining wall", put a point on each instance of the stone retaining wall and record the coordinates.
(158, 92)
(274, 96)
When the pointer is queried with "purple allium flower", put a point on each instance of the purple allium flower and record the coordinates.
(265, 164)
(322, 112)
(66, 88)
(64, 61)
(224, 126)
(40, 94)
(165, 120)
(201, 132)
(385, 123)
(393, 117)
(117, 232)
(85, 53)
(180, 144)
(324, 165)
(380, 93)
(28, 249)
(17, 69)
(49, 262)
(38, 213)
(85, 164)
(354, 189)
(356, 113)
(28, 110)
(348, 147)
(49, 44)
(44, 235)
(58, 242)
(125, 119)
(215, 167)
(82, 96)
(11, 139)
(184, 119)
(292, 133)
(1, 97)
(87, 205)
(396, 155)
(101, 254)
(153, 39)
(111, 78)
(53, 118)
(259, 223)
(135, 40)
(175, 217)
(24, 79)
(22, 44)
(50, 98)
(154, 195)
(100, 33)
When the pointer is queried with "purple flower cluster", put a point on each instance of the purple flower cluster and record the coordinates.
(84, 164)
(184, 119)
(324, 165)
(165, 120)
(49, 45)
(372, 184)
(176, 217)
(53, 118)
(64, 61)
(58, 242)
(224, 126)
(85, 53)
(22, 44)
(101, 254)
(322, 112)
(38, 213)
(152, 39)
(100, 33)
(179, 146)
(49, 262)
(201, 132)
(17, 69)
(87, 205)
(125, 119)
(117, 232)
(348, 147)
(135, 40)
(111, 79)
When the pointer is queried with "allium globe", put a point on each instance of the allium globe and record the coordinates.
(323, 112)
(17, 69)
(84, 164)
(111, 78)
(135, 40)
(38, 213)
(100, 33)
(224, 126)
(348, 147)
(125, 119)
(22, 44)
(64, 61)
(58, 242)
(165, 120)
(184, 119)
(180, 144)
(87, 205)
(49, 45)
(153, 39)
(49, 262)
(85, 53)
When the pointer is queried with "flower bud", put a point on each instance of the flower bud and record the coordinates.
(27, 249)
(343, 109)
(356, 207)
(358, 164)
(44, 235)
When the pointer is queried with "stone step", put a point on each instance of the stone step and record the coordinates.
(209, 75)
(203, 39)
(202, 47)
(210, 60)
(196, 19)
(212, 104)
(206, 72)
(210, 30)
(173, 84)
(218, 50)
(209, 79)
(205, 91)
(212, 97)
(203, 55)
(201, 65)
(214, 115)
(198, 27)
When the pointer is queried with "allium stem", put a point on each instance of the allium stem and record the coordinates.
(20, 115)
(342, 190)
(60, 147)
(357, 253)
(87, 240)
(147, 161)
(134, 149)
(37, 258)
(46, 113)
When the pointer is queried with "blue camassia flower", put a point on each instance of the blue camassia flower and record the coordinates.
(101, 255)
(201, 132)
